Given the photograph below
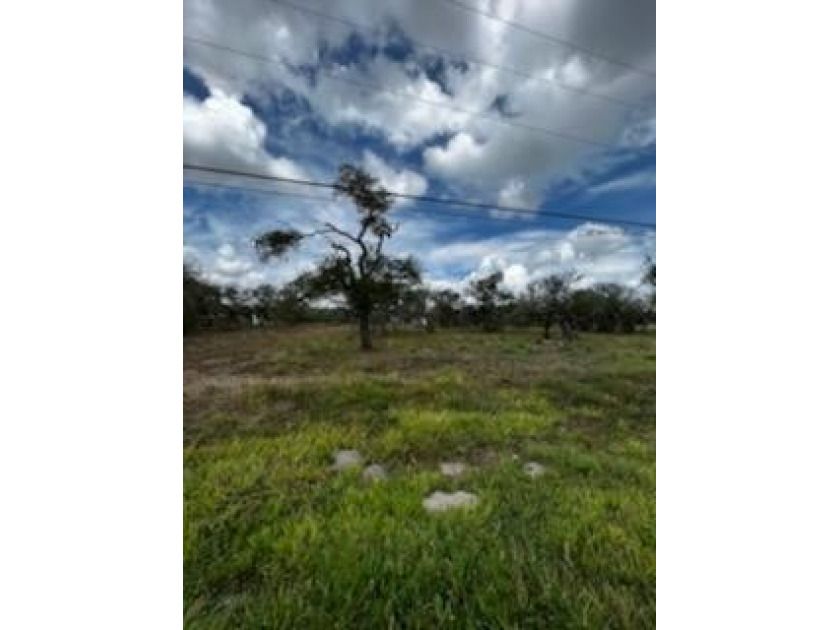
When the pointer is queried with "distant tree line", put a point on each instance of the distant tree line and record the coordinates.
(363, 284)
(551, 303)
(209, 307)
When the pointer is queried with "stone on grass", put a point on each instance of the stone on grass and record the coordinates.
(452, 469)
(374, 472)
(441, 501)
(346, 459)
(534, 470)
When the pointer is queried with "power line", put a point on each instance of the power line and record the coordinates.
(379, 89)
(283, 193)
(273, 178)
(545, 241)
(424, 198)
(425, 211)
(237, 186)
(491, 217)
(552, 38)
(460, 56)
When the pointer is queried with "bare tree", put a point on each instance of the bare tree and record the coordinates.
(355, 267)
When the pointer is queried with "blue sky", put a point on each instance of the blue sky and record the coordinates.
(380, 93)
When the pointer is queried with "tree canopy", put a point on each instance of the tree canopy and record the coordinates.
(489, 296)
(355, 265)
(549, 299)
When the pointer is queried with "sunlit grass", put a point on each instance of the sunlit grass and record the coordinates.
(275, 539)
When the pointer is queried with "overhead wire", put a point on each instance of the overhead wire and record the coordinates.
(464, 6)
(492, 208)
(423, 198)
(546, 241)
(282, 193)
(381, 88)
(459, 56)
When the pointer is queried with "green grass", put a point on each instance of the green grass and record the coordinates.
(274, 539)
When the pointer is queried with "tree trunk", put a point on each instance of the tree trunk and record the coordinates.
(364, 330)
(567, 330)
(547, 328)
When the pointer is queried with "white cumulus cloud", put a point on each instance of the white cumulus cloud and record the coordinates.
(405, 181)
(222, 132)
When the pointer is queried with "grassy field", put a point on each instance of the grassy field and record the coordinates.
(273, 538)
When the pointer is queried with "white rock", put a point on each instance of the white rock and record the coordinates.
(374, 472)
(346, 459)
(441, 501)
(534, 470)
(452, 469)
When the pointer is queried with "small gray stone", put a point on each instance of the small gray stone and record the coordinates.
(442, 501)
(534, 470)
(346, 459)
(374, 472)
(452, 469)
